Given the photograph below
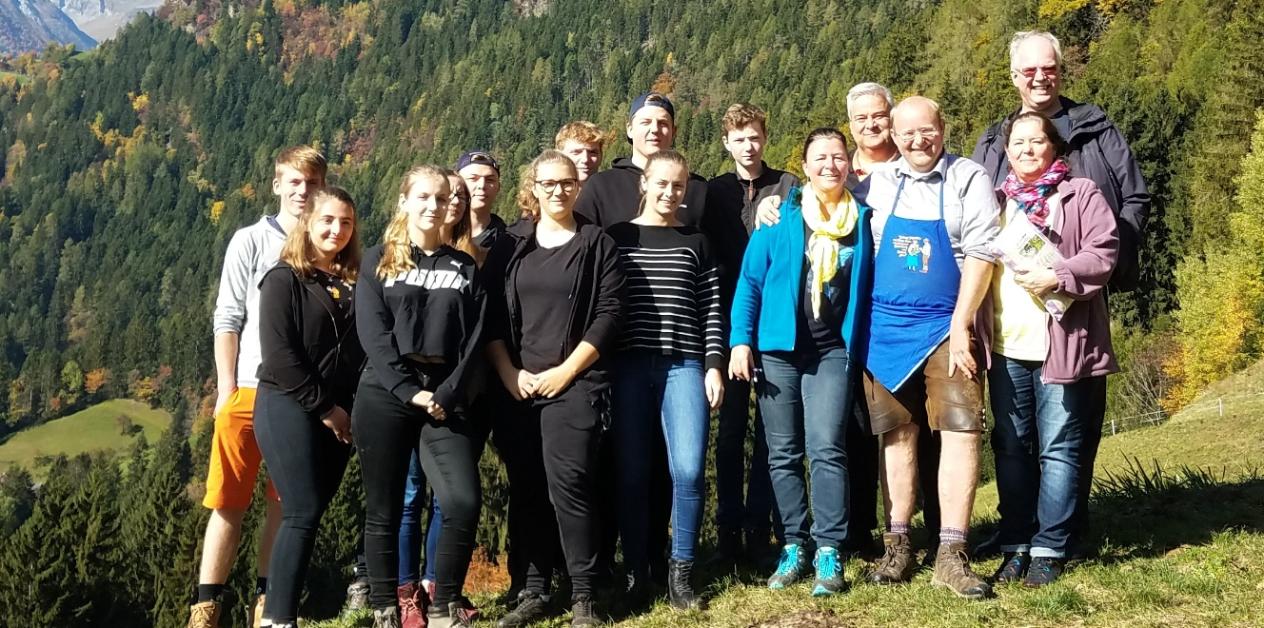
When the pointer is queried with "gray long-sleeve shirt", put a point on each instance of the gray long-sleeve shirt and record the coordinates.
(971, 212)
(252, 251)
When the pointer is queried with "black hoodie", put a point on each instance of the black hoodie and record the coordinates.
(614, 196)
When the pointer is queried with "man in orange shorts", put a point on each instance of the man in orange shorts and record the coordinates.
(235, 456)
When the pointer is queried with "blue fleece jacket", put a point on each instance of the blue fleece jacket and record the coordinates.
(767, 297)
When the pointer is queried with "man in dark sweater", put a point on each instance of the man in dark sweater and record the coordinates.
(731, 199)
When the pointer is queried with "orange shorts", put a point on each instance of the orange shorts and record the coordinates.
(235, 457)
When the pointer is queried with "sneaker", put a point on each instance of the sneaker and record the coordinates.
(412, 608)
(204, 615)
(531, 608)
(1043, 570)
(791, 568)
(829, 572)
(583, 613)
(896, 565)
(256, 611)
(357, 595)
(386, 617)
(952, 570)
(1013, 567)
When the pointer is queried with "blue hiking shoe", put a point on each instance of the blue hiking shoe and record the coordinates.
(791, 568)
(829, 572)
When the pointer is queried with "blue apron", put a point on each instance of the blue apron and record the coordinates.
(915, 285)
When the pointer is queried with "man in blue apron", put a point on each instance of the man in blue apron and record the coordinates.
(933, 216)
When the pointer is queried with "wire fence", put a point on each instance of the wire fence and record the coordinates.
(1208, 404)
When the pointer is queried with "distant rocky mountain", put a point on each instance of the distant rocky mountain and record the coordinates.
(102, 18)
(31, 24)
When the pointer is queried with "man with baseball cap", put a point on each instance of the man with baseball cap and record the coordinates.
(481, 174)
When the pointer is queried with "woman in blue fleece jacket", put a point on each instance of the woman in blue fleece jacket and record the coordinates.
(796, 304)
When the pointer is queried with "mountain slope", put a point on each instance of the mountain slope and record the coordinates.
(101, 19)
(29, 25)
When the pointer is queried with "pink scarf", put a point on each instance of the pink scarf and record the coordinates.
(1032, 198)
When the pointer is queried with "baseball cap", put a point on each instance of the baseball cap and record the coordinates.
(652, 99)
(480, 157)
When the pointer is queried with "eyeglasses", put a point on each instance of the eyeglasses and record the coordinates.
(549, 187)
(926, 132)
(1049, 71)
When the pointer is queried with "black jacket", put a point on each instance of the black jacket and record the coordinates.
(435, 310)
(1097, 151)
(596, 312)
(731, 205)
(614, 196)
(310, 351)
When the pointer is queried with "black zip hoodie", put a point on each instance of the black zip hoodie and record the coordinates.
(614, 196)
(597, 306)
(435, 310)
(310, 348)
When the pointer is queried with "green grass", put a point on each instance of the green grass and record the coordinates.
(1178, 511)
(21, 78)
(94, 429)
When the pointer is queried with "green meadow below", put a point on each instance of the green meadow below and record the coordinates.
(1178, 510)
(98, 428)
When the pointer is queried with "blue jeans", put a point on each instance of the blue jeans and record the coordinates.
(652, 392)
(410, 526)
(806, 401)
(1039, 442)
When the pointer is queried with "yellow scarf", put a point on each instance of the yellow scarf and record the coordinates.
(827, 232)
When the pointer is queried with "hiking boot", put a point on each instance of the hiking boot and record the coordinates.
(896, 565)
(412, 607)
(450, 617)
(1013, 568)
(357, 595)
(204, 614)
(256, 611)
(583, 613)
(829, 572)
(728, 550)
(679, 588)
(530, 609)
(1043, 570)
(791, 568)
(952, 570)
(386, 617)
(463, 607)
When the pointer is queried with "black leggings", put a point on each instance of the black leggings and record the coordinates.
(385, 431)
(555, 469)
(305, 463)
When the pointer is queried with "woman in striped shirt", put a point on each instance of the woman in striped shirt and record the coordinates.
(669, 373)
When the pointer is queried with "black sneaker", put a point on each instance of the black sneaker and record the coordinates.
(531, 608)
(583, 613)
(1043, 571)
(1013, 568)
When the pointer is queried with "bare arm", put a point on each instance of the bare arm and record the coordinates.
(976, 279)
(227, 345)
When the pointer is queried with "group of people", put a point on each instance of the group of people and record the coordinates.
(593, 339)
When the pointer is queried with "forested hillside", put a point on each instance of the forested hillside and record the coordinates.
(125, 170)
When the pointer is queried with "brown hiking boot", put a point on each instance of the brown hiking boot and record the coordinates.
(897, 563)
(204, 615)
(952, 570)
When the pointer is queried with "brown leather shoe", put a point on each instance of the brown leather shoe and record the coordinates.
(952, 570)
(897, 563)
(204, 615)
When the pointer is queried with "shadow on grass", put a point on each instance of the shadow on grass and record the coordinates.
(1148, 511)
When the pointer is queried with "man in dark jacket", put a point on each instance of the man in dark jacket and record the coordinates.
(1098, 151)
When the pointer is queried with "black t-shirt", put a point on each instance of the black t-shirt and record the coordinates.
(545, 285)
(822, 334)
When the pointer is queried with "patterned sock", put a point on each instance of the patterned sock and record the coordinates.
(898, 527)
(952, 535)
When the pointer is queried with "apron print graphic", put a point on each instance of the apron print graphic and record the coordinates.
(916, 252)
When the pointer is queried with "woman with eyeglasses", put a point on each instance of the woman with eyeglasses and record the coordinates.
(420, 316)
(553, 319)
(1048, 376)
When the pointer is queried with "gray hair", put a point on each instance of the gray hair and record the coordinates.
(860, 90)
(1022, 36)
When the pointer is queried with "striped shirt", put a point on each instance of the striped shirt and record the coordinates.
(673, 292)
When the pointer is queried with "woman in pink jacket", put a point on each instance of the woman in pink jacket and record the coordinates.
(1048, 376)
